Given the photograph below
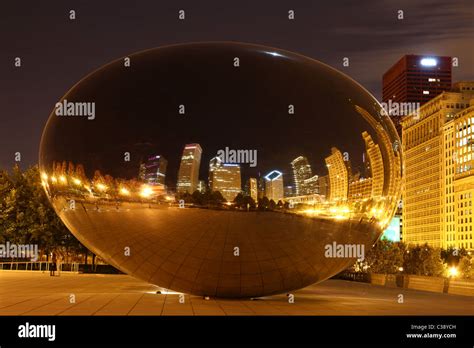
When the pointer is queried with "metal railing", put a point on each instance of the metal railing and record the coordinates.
(43, 266)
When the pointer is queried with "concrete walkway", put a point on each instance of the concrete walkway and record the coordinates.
(36, 293)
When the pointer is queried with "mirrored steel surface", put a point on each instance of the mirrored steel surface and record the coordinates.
(100, 165)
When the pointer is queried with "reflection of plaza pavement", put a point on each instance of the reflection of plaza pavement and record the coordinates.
(193, 250)
(36, 293)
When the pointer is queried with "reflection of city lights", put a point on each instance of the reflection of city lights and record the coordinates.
(168, 198)
(124, 191)
(62, 178)
(87, 188)
(53, 179)
(146, 191)
(453, 272)
(101, 187)
(400, 269)
(44, 176)
(76, 181)
(228, 203)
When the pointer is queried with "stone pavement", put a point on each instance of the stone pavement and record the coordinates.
(36, 293)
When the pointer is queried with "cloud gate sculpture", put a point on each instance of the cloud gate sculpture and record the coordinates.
(222, 169)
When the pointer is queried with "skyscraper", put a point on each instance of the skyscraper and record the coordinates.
(323, 184)
(155, 170)
(338, 176)
(416, 79)
(188, 174)
(274, 186)
(439, 181)
(252, 188)
(301, 172)
(225, 178)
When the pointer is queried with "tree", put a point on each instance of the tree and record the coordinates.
(385, 257)
(423, 260)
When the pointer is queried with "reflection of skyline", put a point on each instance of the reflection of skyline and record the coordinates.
(338, 184)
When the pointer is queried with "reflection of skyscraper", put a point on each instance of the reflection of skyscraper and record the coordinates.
(311, 185)
(376, 165)
(338, 176)
(323, 184)
(188, 175)
(202, 186)
(252, 188)
(261, 188)
(225, 178)
(301, 172)
(274, 186)
(155, 170)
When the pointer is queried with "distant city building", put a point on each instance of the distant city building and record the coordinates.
(261, 188)
(439, 176)
(323, 184)
(301, 172)
(288, 191)
(416, 79)
(188, 174)
(374, 156)
(252, 188)
(338, 176)
(311, 185)
(225, 178)
(274, 186)
(155, 170)
(202, 187)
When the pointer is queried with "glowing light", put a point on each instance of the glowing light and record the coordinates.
(76, 181)
(146, 191)
(62, 178)
(53, 179)
(168, 198)
(44, 176)
(428, 62)
(124, 191)
(101, 187)
(453, 272)
(274, 54)
(400, 269)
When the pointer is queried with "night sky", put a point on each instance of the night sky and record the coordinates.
(57, 52)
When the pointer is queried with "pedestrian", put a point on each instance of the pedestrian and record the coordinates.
(53, 264)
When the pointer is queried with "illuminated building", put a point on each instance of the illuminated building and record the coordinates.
(323, 184)
(338, 176)
(274, 186)
(225, 178)
(376, 165)
(155, 170)
(261, 188)
(252, 188)
(438, 179)
(301, 172)
(416, 79)
(202, 187)
(360, 189)
(188, 174)
(311, 185)
(288, 191)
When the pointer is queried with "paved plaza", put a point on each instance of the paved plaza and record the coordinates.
(36, 293)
